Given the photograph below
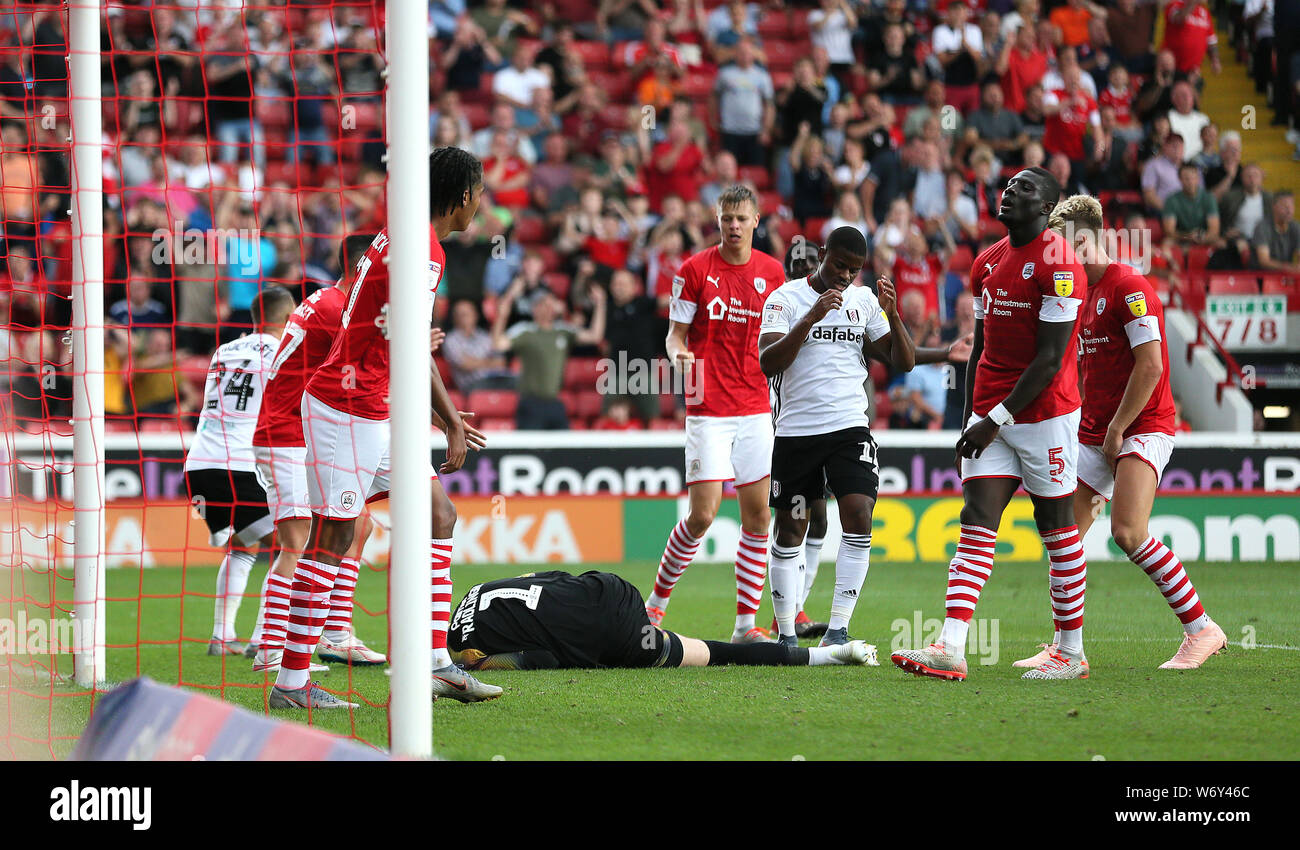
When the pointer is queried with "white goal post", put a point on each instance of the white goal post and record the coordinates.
(409, 602)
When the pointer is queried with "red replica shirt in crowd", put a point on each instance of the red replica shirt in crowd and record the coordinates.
(1064, 131)
(354, 378)
(514, 166)
(1189, 40)
(1122, 102)
(308, 338)
(922, 276)
(1014, 289)
(723, 305)
(1123, 312)
(681, 180)
(1023, 72)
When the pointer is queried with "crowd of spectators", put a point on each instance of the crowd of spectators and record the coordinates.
(251, 139)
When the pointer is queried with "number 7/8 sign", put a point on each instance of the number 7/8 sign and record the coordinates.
(1247, 321)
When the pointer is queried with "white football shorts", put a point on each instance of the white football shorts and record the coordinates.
(1041, 455)
(283, 470)
(1152, 449)
(729, 448)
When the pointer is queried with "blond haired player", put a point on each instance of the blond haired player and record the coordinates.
(716, 308)
(1126, 433)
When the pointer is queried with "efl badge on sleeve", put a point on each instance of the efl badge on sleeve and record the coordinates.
(1137, 303)
(1064, 283)
(678, 283)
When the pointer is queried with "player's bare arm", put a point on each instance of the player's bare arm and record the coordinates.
(1148, 366)
(777, 351)
(896, 347)
(676, 348)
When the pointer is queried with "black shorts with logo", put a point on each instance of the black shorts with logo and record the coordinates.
(805, 468)
(234, 500)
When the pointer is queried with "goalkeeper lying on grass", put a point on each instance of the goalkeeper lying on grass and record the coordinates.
(555, 619)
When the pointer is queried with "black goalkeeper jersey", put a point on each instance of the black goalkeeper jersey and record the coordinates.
(591, 620)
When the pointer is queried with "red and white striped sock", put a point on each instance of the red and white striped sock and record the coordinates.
(1069, 579)
(751, 575)
(1163, 567)
(971, 566)
(440, 579)
(309, 605)
(678, 554)
(338, 626)
(275, 603)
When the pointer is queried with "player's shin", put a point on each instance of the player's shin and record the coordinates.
(786, 586)
(232, 580)
(812, 557)
(1069, 579)
(751, 575)
(970, 567)
(763, 654)
(678, 553)
(339, 624)
(441, 589)
(851, 566)
(1164, 568)
(308, 608)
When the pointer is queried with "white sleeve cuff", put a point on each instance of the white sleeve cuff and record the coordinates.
(1143, 330)
(681, 311)
(1058, 309)
(977, 304)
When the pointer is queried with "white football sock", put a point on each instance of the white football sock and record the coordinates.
(851, 566)
(953, 636)
(812, 556)
(784, 574)
(232, 579)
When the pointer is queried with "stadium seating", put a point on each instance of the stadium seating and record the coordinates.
(1234, 284)
(493, 404)
(1283, 284)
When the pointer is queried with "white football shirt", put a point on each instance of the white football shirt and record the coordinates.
(232, 397)
(824, 389)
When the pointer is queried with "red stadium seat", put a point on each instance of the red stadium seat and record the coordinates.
(580, 373)
(769, 202)
(698, 85)
(789, 229)
(457, 399)
(1198, 256)
(493, 404)
(479, 115)
(587, 404)
(1283, 284)
(1237, 283)
(595, 54)
(667, 404)
(529, 229)
(779, 79)
(497, 424)
(884, 408)
(812, 228)
(775, 24)
(665, 425)
(1191, 289)
(575, 12)
(759, 174)
(799, 28)
(557, 282)
(961, 259)
(781, 54)
(551, 257)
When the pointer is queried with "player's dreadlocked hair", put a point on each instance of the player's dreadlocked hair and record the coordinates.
(452, 173)
(271, 306)
(1051, 187)
(736, 195)
(350, 251)
(848, 239)
(1082, 211)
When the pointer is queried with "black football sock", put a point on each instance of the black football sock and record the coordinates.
(766, 654)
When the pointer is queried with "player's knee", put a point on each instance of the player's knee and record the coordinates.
(334, 536)
(444, 518)
(817, 523)
(789, 532)
(700, 519)
(1127, 536)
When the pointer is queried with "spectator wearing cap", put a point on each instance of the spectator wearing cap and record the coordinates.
(958, 48)
(1186, 120)
(542, 346)
(742, 107)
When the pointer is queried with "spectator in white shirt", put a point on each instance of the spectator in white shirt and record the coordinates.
(1186, 120)
(958, 51)
(515, 83)
(832, 28)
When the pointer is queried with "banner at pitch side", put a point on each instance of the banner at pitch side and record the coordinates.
(497, 530)
(650, 464)
(1198, 528)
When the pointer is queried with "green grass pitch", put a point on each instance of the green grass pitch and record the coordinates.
(1241, 705)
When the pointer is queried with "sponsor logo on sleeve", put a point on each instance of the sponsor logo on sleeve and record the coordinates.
(1137, 303)
(1064, 282)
